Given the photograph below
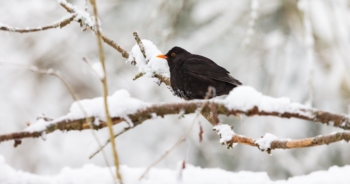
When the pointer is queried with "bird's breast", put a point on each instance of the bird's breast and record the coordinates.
(179, 82)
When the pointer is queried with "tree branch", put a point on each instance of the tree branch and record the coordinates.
(105, 91)
(188, 107)
(289, 144)
(60, 23)
(139, 42)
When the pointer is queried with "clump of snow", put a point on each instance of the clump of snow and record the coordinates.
(265, 142)
(38, 126)
(151, 64)
(225, 132)
(120, 105)
(245, 98)
(83, 16)
(97, 67)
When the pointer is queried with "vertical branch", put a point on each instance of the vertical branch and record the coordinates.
(139, 42)
(105, 90)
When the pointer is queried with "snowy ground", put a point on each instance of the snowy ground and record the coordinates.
(90, 173)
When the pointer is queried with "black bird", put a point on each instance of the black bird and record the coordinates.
(191, 75)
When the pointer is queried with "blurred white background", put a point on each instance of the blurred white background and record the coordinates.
(272, 45)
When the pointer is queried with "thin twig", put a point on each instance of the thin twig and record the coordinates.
(117, 47)
(92, 69)
(142, 48)
(200, 134)
(183, 138)
(214, 115)
(138, 76)
(105, 91)
(61, 23)
(108, 141)
(140, 44)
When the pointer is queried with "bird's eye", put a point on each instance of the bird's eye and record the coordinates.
(173, 55)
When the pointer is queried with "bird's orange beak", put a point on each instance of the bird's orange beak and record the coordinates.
(162, 56)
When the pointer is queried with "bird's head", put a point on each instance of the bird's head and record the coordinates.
(175, 55)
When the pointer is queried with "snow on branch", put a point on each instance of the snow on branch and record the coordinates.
(82, 17)
(270, 142)
(60, 23)
(151, 64)
(85, 19)
(239, 102)
(143, 54)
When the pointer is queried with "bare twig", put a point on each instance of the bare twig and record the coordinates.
(138, 76)
(108, 141)
(183, 138)
(117, 47)
(214, 115)
(200, 134)
(142, 49)
(105, 91)
(92, 69)
(61, 23)
(139, 42)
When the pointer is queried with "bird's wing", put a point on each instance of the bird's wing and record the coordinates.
(200, 65)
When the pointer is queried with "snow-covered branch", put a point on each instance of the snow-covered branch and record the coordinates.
(241, 101)
(270, 142)
(85, 19)
(60, 23)
(152, 66)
